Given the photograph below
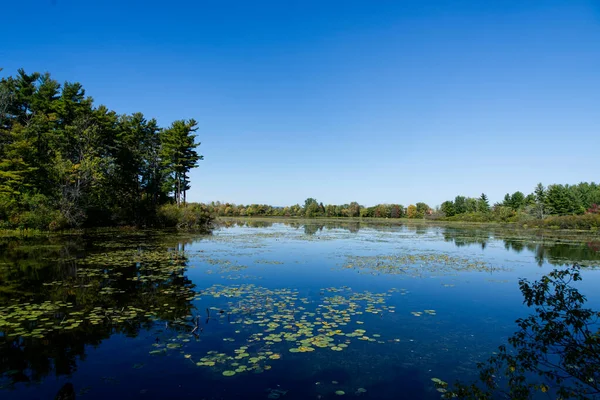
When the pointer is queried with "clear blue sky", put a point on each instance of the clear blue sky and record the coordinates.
(373, 101)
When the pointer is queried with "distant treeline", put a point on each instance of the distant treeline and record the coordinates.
(65, 162)
(555, 206)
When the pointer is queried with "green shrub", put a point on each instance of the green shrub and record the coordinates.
(191, 217)
(38, 213)
(168, 215)
(471, 217)
(503, 214)
(58, 222)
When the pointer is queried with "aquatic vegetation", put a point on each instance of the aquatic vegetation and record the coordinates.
(37, 320)
(247, 315)
(271, 262)
(120, 258)
(106, 292)
(415, 265)
(276, 320)
(224, 265)
(440, 386)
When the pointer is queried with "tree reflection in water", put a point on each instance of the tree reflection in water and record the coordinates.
(149, 276)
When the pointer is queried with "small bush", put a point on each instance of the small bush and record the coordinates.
(168, 215)
(471, 217)
(191, 217)
(38, 214)
(58, 222)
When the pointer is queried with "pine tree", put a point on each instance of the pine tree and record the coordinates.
(540, 200)
(483, 204)
(178, 156)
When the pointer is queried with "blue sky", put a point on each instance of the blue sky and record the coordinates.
(368, 101)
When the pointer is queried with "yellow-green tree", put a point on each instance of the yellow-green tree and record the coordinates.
(411, 211)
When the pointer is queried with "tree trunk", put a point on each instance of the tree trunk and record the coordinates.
(184, 186)
(178, 190)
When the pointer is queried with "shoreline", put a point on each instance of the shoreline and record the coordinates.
(498, 229)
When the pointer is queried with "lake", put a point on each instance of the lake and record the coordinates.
(266, 310)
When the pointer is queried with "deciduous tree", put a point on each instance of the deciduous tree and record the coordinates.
(411, 211)
(555, 351)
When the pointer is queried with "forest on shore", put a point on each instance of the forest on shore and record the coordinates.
(66, 163)
(556, 206)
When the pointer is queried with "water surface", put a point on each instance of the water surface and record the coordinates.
(272, 310)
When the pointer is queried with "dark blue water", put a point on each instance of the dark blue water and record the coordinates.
(242, 278)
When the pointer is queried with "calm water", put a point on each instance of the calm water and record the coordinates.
(289, 311)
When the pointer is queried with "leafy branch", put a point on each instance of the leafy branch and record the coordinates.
(555, 351)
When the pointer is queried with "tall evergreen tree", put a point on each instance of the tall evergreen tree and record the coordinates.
(517, 200)
(540, 200)
(178, 156)
(560, 200)
(483, 204)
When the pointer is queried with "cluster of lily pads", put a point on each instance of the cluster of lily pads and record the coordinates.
(270, 262)
(37, 320)
(415, 264)
(273, 322)
(223, 266)
(87, 297)
(442, 387)
(419, 313)
(357, 392)
(231, 270)
(141, 255)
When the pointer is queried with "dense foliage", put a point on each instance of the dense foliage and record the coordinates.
(312, 208)
(556, 349)
(556, 206)
(65, 162)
